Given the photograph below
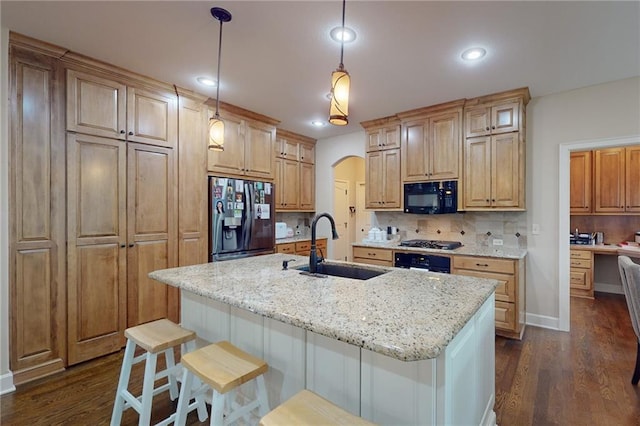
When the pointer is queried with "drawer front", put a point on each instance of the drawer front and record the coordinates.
(503, 266)
(321, 245)
(289, 248)
(580, 263)
(580, 254)
(506, 290)
(373, 253)
(303, 246)
(505, 316)
(378, 262)
(580, 279)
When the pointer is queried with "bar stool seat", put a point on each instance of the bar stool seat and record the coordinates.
(223, 367)
(155, 337)
(307, 408)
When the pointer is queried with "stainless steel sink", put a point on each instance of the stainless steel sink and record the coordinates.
(356, 272)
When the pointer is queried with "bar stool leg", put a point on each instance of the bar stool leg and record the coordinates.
(183, 400)
(173, 383)
(123, 382)
(261, 394)
(147, 389)
(217, 409)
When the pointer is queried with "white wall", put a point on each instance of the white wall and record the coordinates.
(604, 111)
(6, 378)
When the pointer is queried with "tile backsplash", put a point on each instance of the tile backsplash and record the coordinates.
(299, 222)
(477, 229)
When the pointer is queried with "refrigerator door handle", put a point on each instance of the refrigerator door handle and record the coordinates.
(249, 197)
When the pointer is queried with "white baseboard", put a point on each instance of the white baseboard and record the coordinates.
(6, 383)
(608, 288)
(543, 321)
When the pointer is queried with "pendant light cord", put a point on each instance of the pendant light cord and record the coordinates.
(344, 3)
(218, 82)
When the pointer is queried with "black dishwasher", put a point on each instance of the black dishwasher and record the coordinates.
(429, 262)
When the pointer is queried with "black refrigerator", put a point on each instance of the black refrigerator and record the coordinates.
(241, 218)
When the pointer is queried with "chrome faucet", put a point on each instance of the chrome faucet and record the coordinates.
(313, 256)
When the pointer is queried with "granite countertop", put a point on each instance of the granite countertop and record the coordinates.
(503, 253)
(405, 314)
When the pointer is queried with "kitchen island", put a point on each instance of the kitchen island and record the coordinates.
(405, 347)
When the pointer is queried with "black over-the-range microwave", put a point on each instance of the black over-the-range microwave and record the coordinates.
(431, 197)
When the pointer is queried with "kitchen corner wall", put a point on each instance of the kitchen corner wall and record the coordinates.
(478, 229)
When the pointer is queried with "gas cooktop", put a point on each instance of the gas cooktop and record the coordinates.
(434, 244)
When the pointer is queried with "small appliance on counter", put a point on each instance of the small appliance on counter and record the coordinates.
(582, 239)
(281, 230)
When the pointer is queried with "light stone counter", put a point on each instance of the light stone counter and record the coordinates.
(502, 253)
(404, 314)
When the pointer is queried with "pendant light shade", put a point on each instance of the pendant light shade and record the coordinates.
(340, 84)
(339, 111)
(216, 125)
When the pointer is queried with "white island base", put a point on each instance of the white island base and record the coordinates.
(456, 388)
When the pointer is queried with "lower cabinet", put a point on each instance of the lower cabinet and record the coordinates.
(581, 273)
(510, 294)
(302, 248)
(373, 256)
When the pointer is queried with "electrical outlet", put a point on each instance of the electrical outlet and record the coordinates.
(535, 229)
(497, 242)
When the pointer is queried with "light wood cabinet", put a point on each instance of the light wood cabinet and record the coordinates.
(382, 175)
(37, 249)
(509, 295)
(382, 134)
(104, 106)
(432, 143)
(373, 256)
(248, 147)
(96, 237)
(302, 248)
(192, 181)
(616, 175)
(494, 152)
(295, 172)
(580, 192)
(289, 248)
(581, 273)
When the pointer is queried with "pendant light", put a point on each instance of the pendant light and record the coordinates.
(216, 125)
(340, 82)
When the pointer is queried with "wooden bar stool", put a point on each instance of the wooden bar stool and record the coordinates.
(223, 368)
(155, 337)
(307, 408)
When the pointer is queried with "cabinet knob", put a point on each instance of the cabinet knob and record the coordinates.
(493, 200)
(122, 132)
(123, 245)
(487, 128)
(131, 245)
(482, 265)
(487, 200)
(130, 133)
(493, 127)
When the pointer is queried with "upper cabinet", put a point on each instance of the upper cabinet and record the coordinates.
(494, 152)
(382, 164)
(295, 172)
(249, 140)
(580, 182)
(616, 174)
(432, 142)
(101, 105)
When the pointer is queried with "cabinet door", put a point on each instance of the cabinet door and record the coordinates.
(231, 160)
(414, 166)
(37, 254)
(258, 157)
(444, 146)
(151, 232)
(307, 153)
(374, 173)
(289, 186)
(505, 170)
(152, 117)
(286, 148)
(307, 191)
(580, 182)
(505, 118)
(391, 191)
(609, 180)
(96, 232)
(192, 183)
(632, 171)
(96, 105)
(374, 140)
(477, 121)
(477, 172)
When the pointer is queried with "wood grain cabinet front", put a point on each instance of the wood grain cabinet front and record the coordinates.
(616, 175)
(581, 273)
(373, 256)
(510, 293)
(294, 172)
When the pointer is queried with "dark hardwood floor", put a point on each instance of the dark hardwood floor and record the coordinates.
(548, 378)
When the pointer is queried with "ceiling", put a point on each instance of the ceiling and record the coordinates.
(277, 56)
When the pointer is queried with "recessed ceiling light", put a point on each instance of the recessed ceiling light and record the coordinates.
(473, 54)
(206, 81)
(345, 34)
(318, 123)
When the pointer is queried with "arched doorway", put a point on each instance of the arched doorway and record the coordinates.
(348, 174)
